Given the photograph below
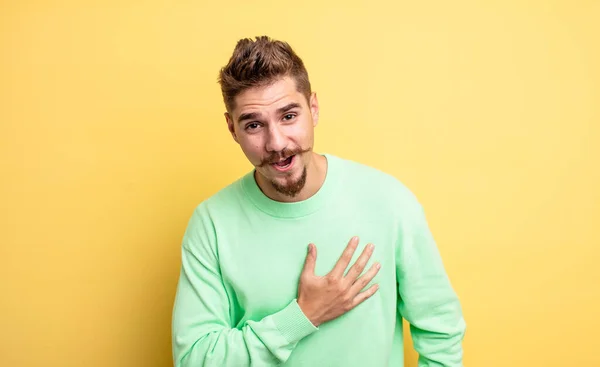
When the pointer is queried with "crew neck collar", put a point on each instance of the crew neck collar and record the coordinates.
(296, 209)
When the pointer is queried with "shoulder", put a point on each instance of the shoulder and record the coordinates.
(375, 181)
(222, 200)
(218, 205)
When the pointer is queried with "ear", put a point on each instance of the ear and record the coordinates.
(314, 108)
(231, 126)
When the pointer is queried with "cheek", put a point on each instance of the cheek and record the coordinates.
(252, 149)
(301, 134)
(305, 138)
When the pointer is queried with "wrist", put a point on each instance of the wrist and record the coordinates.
(306, 310)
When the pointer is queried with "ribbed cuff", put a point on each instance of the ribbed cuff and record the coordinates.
(293, 323)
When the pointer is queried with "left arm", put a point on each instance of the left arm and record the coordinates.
(426, 298)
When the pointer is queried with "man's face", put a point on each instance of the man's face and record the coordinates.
(274, 126)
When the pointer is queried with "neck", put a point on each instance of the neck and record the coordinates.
(316, 170)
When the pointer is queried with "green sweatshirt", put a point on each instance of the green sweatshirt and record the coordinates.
(242, 255)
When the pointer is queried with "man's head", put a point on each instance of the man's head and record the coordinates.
(271, 111)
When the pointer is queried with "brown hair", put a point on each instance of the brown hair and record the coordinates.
(259, 63)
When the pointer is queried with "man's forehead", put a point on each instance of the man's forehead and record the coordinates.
(267, 106)
(264, 103)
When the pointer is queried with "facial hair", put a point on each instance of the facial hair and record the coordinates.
(284, 154)
(292, 189)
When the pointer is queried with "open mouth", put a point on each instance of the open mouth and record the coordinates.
(285, 164)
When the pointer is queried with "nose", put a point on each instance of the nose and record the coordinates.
(276, 139)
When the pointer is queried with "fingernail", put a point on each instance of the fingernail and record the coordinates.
(378, 266)
(371, 246)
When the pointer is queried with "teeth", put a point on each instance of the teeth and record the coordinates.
(282, 164)
(283, 160)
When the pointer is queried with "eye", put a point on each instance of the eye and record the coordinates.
(252, 126)
(289, 116)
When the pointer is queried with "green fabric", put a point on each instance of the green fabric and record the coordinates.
(242, 255)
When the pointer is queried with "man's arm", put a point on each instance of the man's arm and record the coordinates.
(426, 298)
(202, 330)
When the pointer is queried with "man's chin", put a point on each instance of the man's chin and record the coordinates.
(290, 185)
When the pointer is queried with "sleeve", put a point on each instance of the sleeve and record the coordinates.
(202, 331)
(427, 300)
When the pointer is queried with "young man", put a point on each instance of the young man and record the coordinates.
(309, 259)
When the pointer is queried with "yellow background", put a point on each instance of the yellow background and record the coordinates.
(111, 132)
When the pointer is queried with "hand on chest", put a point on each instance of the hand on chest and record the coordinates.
(264, 271)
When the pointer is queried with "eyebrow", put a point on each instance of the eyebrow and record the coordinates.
(255, 115)
(248, 116)
(288, 107)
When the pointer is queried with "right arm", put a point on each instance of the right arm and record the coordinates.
(202, 331)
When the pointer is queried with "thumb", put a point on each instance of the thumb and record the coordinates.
(311, 258)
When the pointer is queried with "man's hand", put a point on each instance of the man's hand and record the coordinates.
(328, 297)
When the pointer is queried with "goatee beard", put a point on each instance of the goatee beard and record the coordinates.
(292, 189)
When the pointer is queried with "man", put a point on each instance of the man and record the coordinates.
(309, 259)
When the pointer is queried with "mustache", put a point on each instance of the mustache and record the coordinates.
(284, 154)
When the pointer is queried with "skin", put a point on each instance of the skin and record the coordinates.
(272, 123)
(273, 134)
(325, 298)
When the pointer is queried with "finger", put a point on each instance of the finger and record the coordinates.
(360, 264)
(310, 261)
(344, 260)
(361, 297)
(362, 282)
